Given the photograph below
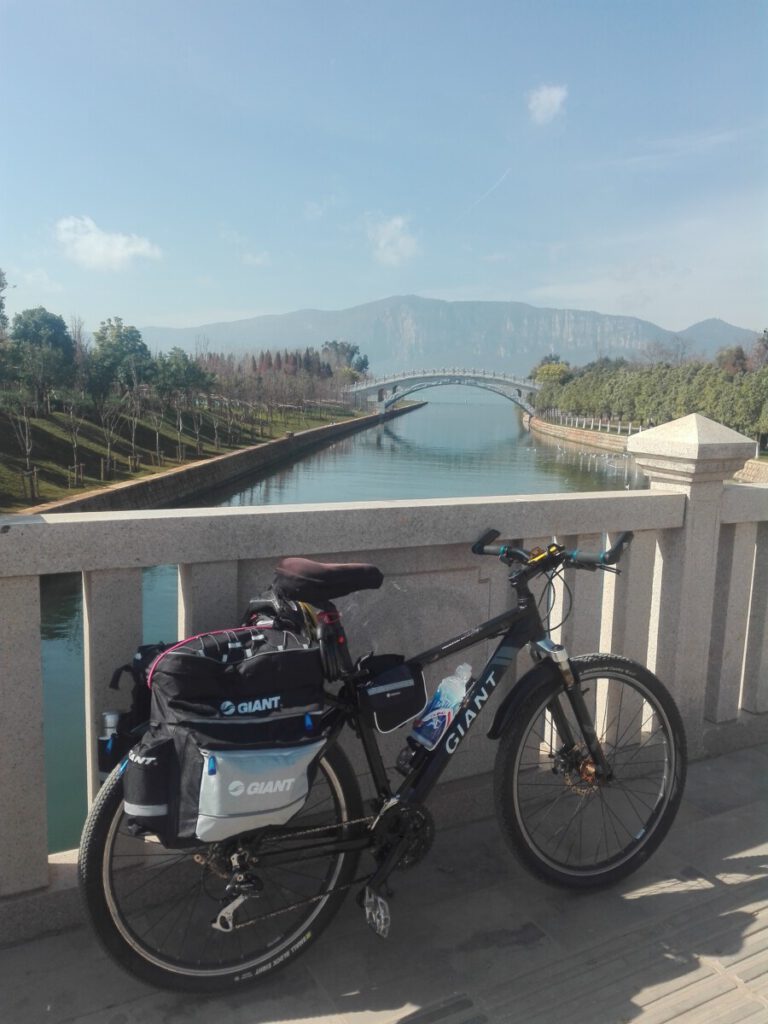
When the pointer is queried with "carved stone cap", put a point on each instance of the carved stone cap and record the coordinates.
(692, 446)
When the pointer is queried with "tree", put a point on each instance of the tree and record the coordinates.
(673, 353)
(119, 348)
(731, 360)
(42, 353)
(18, 409)
(179, 381)
(759, 356)
(342, 354)
(75, 412)
(3, 315)
(552, 372)
(177, 372)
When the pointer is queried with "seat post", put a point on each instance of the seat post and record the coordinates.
(334, 649)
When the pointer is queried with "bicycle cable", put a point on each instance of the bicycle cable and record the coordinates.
(549, 593)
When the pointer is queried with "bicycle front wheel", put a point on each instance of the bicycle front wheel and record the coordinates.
(568, 823)
(154, 908)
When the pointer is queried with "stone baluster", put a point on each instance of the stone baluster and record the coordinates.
(24, 849)
(694, 456)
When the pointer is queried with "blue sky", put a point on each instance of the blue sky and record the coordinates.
(183, 163)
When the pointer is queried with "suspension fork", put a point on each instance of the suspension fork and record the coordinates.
(559, 655)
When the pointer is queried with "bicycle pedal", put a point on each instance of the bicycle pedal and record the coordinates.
(377, 914)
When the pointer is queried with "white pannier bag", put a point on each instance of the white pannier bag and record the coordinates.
(242, 790)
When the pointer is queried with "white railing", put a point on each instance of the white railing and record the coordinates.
(692, 601)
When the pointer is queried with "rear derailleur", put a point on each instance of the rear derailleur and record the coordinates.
(242, 882)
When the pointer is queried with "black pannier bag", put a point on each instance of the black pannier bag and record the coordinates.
(113, 748)
(395, 693)
(235, 725)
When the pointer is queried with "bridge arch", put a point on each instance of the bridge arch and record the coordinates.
(513, 395)
(388, 390)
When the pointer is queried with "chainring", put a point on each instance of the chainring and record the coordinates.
(413, 823)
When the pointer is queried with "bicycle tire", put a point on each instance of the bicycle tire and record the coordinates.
(565, 824)
(152, 908)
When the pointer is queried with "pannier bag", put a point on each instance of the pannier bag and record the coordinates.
(395, 693)
(113, 747)
(235, 724)
(242, 790)
(239, 686)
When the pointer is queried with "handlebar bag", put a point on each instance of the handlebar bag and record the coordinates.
(395, 693)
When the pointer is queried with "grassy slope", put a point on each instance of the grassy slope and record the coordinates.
(52, 452)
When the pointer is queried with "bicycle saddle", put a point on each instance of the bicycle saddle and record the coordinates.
(300, 579)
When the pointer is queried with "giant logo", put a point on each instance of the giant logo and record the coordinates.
(464, 722)
(238, 788)
(247, 707)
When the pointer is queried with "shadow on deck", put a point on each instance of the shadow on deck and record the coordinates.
(476, 940)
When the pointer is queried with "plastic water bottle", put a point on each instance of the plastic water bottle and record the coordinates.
(109, 723)
(440, 711)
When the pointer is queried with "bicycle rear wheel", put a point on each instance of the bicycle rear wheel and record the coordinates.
(566, 823)
(153, 908)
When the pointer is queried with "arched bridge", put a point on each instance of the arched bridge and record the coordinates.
(388, 390)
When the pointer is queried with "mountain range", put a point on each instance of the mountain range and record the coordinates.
(410, 332)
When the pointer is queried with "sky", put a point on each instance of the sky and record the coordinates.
(183, 163)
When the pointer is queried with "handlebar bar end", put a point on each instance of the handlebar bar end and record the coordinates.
(620, 545)
(487, 538)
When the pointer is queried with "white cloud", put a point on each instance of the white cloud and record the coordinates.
(85, 243)
(546, 102)
(392, 243)
(239, 241)
(39, 280)
(316, 209)
(256, 259)
(658, 154)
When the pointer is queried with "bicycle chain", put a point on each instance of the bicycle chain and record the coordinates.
(311, 899)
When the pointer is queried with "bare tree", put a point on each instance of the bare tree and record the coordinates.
(18, 409)
(75, 418)
(156, 415)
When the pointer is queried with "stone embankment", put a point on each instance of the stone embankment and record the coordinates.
(187, 483)
(576, 435)
(755, 471)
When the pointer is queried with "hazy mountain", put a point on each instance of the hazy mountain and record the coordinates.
(408, 332)
(714, 334)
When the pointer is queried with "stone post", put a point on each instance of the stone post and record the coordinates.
(24, 846)
(695, 456)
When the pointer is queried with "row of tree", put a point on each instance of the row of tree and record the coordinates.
(114, 381)
(732, 389)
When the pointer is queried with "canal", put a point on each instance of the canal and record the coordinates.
(462, 444)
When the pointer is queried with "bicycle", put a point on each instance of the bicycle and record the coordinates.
(588, 779)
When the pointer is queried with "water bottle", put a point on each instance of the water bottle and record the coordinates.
(109, 724)
(439, 713)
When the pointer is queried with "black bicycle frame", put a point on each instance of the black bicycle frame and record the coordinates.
(517, 627)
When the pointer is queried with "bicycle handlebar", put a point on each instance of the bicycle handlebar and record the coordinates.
(484, 546)
(609, 557)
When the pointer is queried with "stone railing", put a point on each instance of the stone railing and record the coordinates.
(691, 601)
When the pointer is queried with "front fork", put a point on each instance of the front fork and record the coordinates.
(559, 655)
